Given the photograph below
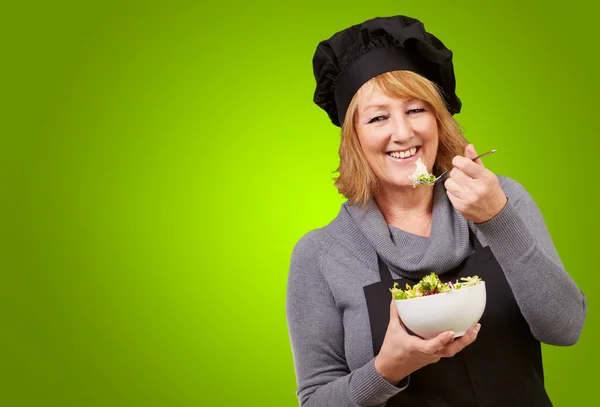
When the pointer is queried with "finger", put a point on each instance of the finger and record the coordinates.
(460, 204)
(461, 178)
(459, 343)
(452, 187)
(454, 199)
(468, 166)
(395, 320)
(471, 153)
(433, 345)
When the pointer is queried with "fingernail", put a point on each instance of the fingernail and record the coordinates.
(476, 329)
(450, 335)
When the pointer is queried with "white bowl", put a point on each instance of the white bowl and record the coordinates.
(455, 311)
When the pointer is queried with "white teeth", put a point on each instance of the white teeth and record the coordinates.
(404, 154)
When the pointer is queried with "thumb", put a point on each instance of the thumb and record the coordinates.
(471, 153)
(434, 344)
(394, 317)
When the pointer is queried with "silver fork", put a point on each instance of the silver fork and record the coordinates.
(476, 158)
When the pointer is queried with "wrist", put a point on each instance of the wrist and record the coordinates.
(389, 374)
(499, 209)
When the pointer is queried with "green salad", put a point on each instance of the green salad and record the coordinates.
(430, 285)
(423, 180)
(421, 176)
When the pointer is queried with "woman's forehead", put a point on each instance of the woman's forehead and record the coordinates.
(376, 97)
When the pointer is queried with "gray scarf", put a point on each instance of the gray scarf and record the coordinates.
(410, 255)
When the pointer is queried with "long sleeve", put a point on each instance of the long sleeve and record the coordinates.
(548, 297)
(317, 337)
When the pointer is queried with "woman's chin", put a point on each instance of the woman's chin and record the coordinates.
(397, 184)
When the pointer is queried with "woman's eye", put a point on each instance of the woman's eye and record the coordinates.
(417, 110)
(378, 119)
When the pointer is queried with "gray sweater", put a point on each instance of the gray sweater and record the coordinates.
(326, 310)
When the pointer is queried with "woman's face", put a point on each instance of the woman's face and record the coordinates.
(394, 134)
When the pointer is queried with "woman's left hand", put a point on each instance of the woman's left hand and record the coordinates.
(474, 190)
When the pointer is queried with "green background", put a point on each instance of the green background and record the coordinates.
(160, 160)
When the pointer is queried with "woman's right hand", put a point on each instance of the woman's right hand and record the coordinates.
(402, 353)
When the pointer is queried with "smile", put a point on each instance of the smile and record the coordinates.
(404, 153)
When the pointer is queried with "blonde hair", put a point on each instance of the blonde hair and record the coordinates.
(356, 180)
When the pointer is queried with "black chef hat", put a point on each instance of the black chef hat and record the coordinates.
(343, 63)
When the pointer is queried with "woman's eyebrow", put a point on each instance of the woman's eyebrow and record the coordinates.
(375, 106)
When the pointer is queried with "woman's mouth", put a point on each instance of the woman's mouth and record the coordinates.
(404, 155)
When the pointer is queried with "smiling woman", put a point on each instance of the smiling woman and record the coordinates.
(390, 86)
(410, 110)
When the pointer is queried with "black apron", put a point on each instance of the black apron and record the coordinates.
(502, 368)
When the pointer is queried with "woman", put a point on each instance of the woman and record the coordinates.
(390, 86)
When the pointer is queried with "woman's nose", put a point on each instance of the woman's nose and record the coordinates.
(401, 130)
